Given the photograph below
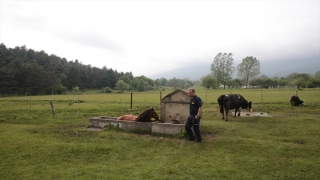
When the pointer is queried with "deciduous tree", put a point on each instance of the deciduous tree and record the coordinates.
(317, 75)
(222, 68)
(299, 82)
(141, 85)
(121, 85)
(249, 69)
(208, 81)
(126, 79)
(163, 81)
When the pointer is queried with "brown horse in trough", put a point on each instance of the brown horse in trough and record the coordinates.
(143, 117)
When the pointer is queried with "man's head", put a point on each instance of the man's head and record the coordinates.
(191, 92)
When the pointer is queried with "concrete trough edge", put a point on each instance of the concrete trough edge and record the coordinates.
(161, 128)
(167, 128)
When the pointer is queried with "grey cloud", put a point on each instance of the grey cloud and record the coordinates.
(39, 24)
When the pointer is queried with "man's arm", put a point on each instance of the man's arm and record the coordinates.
(199, 111)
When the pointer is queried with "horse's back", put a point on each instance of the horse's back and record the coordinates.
(129, 117)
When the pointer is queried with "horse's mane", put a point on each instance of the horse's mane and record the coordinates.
(144, 114)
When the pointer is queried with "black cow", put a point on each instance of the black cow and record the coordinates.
(233, 101)
(295, 101)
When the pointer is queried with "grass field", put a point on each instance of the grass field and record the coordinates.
(34, 144)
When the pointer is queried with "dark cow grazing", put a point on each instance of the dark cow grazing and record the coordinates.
(295, 101)
(233, 101)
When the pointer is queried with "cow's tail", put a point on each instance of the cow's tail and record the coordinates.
(220, 99)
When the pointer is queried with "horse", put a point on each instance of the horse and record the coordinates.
(143, 117)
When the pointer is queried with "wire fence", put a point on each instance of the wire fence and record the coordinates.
(140, 100)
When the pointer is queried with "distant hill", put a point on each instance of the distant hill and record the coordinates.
(193, 72)
(282, 68)
(279, 68)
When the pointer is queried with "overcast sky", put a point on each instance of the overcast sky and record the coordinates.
(149, 37)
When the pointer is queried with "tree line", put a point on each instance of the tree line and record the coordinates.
(24, 70)
(248, 74)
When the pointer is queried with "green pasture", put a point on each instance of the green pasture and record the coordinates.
(34, 144)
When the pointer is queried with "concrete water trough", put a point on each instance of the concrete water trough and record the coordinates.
(154, 127)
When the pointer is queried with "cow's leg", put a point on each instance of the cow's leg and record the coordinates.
(235, 112)
(222, 111)
(239, 111)
(227, 111)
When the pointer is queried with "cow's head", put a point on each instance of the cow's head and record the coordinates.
(250, 106)
(302, 102)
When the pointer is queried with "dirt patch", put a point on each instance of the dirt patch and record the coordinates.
(253, 114)
(94, 129)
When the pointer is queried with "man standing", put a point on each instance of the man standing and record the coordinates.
(194, 117)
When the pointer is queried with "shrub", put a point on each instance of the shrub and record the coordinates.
(106, 90)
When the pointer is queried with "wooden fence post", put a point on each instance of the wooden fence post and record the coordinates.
(30, 106)
(52, 109)
(78, 105)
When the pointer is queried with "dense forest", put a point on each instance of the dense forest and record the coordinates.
(24, 70)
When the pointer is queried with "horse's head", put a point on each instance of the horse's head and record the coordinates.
(147, 115)
(153, 114)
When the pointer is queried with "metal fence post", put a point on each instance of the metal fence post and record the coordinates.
(206, 96)
(131, 101)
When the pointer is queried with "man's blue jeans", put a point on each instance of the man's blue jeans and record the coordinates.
(195, 124)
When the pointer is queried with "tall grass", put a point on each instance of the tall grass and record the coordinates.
(34, 144)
